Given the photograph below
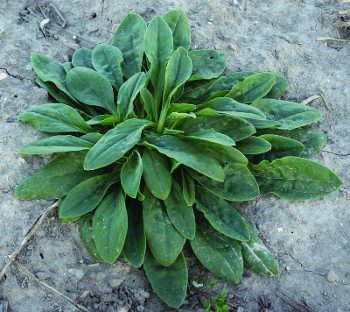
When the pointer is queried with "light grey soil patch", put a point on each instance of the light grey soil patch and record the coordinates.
(310, 239)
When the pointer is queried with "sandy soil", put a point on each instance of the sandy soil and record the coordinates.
(310, 239)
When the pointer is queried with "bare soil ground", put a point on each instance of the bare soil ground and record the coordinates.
(310, 239)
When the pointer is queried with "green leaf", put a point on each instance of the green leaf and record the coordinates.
(82, 58)
(312, 139)
(91, 88)
(236, 128)
(290, 115)
(196, 89)
(92, 137)
(256, 256)
(239, 184)
(57, 94)
(294, 178)
(180, 27)
(149, 104)
(56, 144)
(163, 239)
(169, 283)
(222, 153)
(115, 143)
(129, 38)
(212, 136)
(135, 241)
(48, 70)
(156, 173)
(187, 153)
(221, 215)
(128, 92)
(228, 106)
(86, 196)
(218, 253)
(278, 88)
(107, 60)
(207, 64)
(104, 120)
(86, 234)
(252, 88)
(55, 118)
(177, 72)
(110, 225)
(158, 49)
(264, 124)
(56, 179)
(180, 214)
(67, 66)
(280, 147)
(224, 83)
(188, 188)
(131, 173)
(253, 145)
(182, 107)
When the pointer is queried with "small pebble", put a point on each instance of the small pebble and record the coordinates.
(331, 277)
(21, 160)
(114, 283)
(79, 274)
(287, 268)
(43, 275)
(84, 295)
(144, 294)
(122, 308)
(240, 309)
(3, 76)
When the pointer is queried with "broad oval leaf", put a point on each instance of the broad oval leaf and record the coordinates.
(253, 145)
(129, 38)
(228, 106)
(156, 173)
(221, 215)
(239, 184)
(104, 120)
(48, 70)
(264, 124)
(177, 72)
(169, 283)
(280, 147)
(212, 136)
(110, 225)
(290, 115)
(115, 143)
(294, 178)
(149, 104)
(278, 88)
(56, 179)
(187, 153)
(188, 188)
(67, 66)
(56, 144)
(207, 64)
(180, 27)
(312, 139)
(164, 241)
(218, 253)
(87, 236)
(180, 214)
(85, 196)
(135, 241)
(252, 88)
(131, 173)
(55, 118)
(158, 43)
(91, 88)
(82, 58)
(107, 60)
(128, 92)
(236, 128)
(256, 256)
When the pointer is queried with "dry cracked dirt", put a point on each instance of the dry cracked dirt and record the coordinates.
(311, 240)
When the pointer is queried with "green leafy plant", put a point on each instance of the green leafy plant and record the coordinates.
(152, 142)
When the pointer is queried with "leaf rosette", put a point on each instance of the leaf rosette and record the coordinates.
(153, 142)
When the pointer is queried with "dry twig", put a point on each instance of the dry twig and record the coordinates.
(31, 275)
(34, 227)
(310, 99)
(299, 306)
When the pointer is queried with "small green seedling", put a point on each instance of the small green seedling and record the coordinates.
(151, 142)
